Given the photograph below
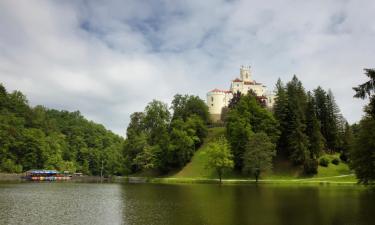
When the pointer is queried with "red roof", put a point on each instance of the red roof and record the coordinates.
(237, 80)
(218, 90)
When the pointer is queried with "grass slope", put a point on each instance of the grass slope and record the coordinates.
(283, 170)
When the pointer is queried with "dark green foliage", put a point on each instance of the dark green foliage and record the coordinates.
(234, 100)
(367, 89)
(335, 161)
(313, 129)
(347, 143)
(307, 122)
(330, 118)
(246, 117)
(158, 141)
(184, 106)
(36, 138)
(290, 109)
(258, 155)
(310, 166)
(281, 112)
(323, 161)
(362, 155)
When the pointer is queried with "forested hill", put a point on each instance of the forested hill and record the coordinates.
(42, 138)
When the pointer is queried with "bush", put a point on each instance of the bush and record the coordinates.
(335, 161)
(344, 157)
(10, 166)
(323, 162)
(310, 166)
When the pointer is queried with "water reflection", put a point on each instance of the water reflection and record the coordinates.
(67, 203)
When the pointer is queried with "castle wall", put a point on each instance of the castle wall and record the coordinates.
(215, 101)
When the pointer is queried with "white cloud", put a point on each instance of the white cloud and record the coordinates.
(109, 59)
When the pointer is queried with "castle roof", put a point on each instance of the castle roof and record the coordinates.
(237, 80)
(252, 83)
(222, 91)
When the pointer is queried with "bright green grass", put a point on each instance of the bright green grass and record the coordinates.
(283, 170)
(196, 168)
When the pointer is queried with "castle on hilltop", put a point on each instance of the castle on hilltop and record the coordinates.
(218, 99)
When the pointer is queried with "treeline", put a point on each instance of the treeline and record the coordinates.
(309, 122)
(41, 138)
(362, 154)
(302, 125)
(163, 139)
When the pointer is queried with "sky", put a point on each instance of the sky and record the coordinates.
(108, 59)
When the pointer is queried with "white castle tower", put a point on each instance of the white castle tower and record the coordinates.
(218, 99)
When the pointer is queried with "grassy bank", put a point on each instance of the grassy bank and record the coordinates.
(283, 171)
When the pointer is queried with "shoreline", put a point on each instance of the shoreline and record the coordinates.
(5, 177)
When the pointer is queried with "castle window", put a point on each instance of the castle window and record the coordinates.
(212, 104)
(212, 99)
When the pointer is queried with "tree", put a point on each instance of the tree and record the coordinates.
(246, 117)
(313, 129)
(280, 110)
(184, 106)
(362, 156)
(296, 138)
(258, 156)
(42, 138)
(333, 115)
(219, 156)
(348, 141)
(367, 89)
(320, 97)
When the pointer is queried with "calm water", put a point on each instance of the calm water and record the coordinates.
(73, 203)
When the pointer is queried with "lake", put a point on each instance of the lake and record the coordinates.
(83, 203)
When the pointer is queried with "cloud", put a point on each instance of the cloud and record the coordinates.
(109, 59)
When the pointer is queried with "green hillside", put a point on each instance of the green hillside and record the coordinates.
(283, 170)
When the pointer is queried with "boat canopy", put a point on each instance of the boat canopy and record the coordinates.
(42, 172)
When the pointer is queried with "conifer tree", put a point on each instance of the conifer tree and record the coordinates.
(280, 110)
(332, 132)
(297, 141)
(313, 128)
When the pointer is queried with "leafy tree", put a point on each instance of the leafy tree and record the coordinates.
(246, 117)
(38, 137)
(184, 106)
(258, 156)
(182, 145)
(219, 156)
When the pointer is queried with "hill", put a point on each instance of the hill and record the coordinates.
(283, 170)
(42, 138)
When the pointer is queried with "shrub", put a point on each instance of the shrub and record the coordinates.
(335, 161)
(323, 162)
(344, 157)
(10, 166)
(310, 166)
